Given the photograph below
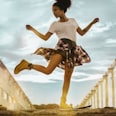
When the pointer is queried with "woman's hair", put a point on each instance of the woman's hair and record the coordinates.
(63, 4)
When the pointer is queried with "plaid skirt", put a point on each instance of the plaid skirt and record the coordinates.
(72, 54)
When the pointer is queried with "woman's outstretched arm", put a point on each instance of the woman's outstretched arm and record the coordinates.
(86, 29)
(42, 36)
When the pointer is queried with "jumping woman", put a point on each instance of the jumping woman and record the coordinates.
(67, 54)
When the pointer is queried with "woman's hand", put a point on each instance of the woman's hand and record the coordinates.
(95, 20)
(29, 27)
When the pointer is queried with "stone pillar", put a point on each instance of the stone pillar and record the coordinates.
(93, 94)
(105, 77)
(91, 99)
(101, 87)
(101, 92)
(85, 101)
(97, 95)
(111, 70)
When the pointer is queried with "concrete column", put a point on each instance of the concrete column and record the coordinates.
(93, 94)
(97, 96)
(111, 70)
(106, 89)
(101, 92)
(91, 99)
(101, 87)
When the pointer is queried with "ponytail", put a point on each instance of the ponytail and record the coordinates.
(63, 4)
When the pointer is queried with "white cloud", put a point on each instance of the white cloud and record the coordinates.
(55, 76)
(111, 41)
(33, 78)
(6, 39)
(99, 29)
(90, 78)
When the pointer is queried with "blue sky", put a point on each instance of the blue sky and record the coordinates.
(16, 43)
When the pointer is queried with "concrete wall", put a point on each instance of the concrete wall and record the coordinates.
(11, 95)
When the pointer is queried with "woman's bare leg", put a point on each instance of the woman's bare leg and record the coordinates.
(66, 85)
(54, 61)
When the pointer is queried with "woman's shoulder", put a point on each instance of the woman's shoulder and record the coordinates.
(72, 19)
(54, 22)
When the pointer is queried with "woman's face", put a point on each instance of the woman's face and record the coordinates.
(57, 11)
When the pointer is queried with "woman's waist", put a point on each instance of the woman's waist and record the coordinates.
(69, 38)
(67, 41)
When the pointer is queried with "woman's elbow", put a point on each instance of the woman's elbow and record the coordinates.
(44, 38)
(82, 34)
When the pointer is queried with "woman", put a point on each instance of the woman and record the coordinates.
(66, 54)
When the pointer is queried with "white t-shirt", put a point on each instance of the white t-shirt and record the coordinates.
(65, 29)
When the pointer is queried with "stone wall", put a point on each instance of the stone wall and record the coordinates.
(11, 95)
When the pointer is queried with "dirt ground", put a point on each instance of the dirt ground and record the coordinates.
(55, 111)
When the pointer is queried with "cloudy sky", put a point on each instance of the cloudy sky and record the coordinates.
(17, 43)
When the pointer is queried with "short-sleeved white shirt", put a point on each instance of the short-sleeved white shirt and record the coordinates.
(65, 29)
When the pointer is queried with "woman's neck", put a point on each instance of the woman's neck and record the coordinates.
(63, 19)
